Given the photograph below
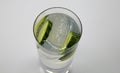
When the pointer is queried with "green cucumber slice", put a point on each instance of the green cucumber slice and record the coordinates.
(71, 39)
(38, 25)
(44, 31)
(66, 56)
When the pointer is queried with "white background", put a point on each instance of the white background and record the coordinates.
(99, 47)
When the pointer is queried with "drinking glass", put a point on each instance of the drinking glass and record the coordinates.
(57, 31)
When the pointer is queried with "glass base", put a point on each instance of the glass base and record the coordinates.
(46, 69)
(53, 71)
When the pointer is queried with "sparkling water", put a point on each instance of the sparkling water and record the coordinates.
(50, 55)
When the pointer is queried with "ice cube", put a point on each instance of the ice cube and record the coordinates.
(59, 29)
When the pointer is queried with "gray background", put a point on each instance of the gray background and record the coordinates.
(99, 47)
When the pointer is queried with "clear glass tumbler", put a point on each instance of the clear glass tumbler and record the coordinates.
(57, 31)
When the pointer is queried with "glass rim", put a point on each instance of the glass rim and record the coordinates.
(81, 30)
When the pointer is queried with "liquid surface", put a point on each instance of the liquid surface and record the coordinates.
(52, 35)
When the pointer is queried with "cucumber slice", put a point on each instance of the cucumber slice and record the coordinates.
(71, 39)
(38, 25)
(44, 31)
(66, 56)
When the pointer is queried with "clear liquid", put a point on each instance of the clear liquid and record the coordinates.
(51, 58)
